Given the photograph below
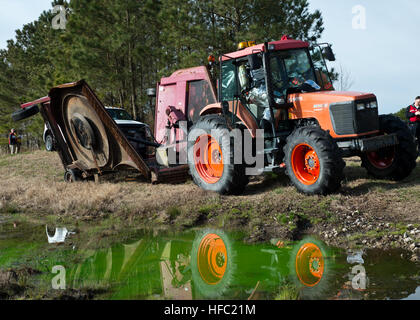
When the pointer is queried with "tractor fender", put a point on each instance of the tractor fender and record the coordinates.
(242, 114)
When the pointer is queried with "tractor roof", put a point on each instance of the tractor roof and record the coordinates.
(283, 44)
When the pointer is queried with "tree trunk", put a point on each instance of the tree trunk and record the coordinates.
(133, 95)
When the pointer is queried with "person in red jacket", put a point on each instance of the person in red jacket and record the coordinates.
(13, 142)
(413, 116)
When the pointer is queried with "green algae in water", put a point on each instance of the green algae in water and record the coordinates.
(210, 264)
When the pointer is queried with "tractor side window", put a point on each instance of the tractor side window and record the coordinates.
(199, 96)
(321, 71)
(229, 85)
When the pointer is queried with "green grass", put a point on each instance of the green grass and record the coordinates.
(371, 234)
(209, 209)
(173, 212)
(315, 220)
(9, 208)
(4, 162)
(287, 292)
(279, 191)
(235, 211)
(283, 218)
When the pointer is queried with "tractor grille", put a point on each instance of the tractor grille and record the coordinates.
(342, 117)
(346, 119)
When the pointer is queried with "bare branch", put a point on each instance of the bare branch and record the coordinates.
(345, 79)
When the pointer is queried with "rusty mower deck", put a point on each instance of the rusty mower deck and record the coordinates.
(88, 140)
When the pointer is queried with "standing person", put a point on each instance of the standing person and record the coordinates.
(413, 115)
(13, 141)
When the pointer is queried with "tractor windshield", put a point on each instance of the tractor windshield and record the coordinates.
(290, 69)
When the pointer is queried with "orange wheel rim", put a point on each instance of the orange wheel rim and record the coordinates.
(309, 264)
(212, 259)
(382, 159)
(305, 164)
(208, 159)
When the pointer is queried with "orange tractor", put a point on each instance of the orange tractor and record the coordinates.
(282, 92)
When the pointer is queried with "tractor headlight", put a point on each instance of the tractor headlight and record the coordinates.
(361, 106)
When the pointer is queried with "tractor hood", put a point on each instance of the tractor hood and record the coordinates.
(343, 114)
(327, 97)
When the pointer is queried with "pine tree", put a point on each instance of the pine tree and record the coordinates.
(26, 73)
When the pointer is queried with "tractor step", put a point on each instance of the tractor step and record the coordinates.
(268, 151)
(275, 169)
(173, 175)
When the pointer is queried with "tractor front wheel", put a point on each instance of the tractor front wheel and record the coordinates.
(211, 157)
(212, 264)
(397, 162)
(313, 161)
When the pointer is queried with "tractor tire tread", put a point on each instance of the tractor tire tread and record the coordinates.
(327, 149)
(234, 180)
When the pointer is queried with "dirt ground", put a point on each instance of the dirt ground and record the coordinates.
(365, 212)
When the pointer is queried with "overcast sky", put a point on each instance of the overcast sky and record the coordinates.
(382, 54)
(384, 57)
(15, 13)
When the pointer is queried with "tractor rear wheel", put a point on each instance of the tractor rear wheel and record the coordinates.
(211, 157)
(313, 160)
(397, 162)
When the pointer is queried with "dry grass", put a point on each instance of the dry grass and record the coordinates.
(33, 183)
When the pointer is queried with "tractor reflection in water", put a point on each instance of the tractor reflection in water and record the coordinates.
(60, 235)
(209, 266)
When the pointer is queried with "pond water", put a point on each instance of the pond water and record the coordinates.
(209, 264)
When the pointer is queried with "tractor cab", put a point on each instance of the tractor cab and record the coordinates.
(261, 78)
